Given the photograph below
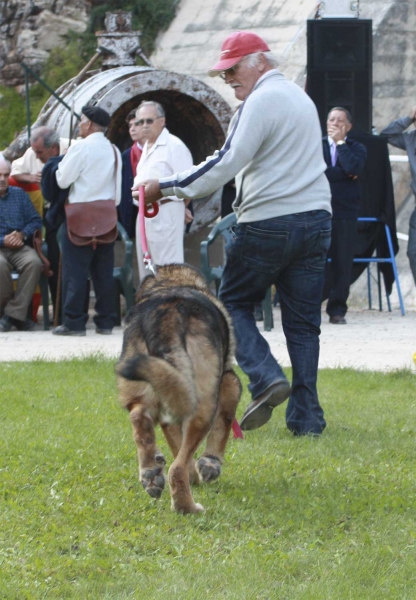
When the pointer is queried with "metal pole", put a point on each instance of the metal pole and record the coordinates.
(46, 86)
(27, 102)
(74, 88)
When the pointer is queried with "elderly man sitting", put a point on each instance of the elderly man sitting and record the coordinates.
(18, 222)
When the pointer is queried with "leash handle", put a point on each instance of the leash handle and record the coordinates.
(143, 207)
(147, 259)
(151, 212)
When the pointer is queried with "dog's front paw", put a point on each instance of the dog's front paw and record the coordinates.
(153, 481)
(209, 468)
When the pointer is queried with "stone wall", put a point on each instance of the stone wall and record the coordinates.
(30, 29)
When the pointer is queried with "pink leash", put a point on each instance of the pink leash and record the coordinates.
(144, 212)
(147, 259)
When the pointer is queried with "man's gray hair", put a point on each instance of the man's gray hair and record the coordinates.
(160, 111)
(49, 136)
(253, 59)
(344, 110)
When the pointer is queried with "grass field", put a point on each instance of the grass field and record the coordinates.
(290, 518)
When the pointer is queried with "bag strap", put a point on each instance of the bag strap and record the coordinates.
(115, 171)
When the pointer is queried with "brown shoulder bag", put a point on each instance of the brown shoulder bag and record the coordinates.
(92, 223)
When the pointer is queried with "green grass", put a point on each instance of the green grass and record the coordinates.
(290, 518)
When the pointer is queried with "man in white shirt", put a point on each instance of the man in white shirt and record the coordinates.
(163, 154)
(92, 170)
(44, 143)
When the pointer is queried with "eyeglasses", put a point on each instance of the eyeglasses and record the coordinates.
(232, 70)
(141, 122)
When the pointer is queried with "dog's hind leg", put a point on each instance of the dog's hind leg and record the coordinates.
(151, 462)
(194, 431)
(209, 464)
(173, 435)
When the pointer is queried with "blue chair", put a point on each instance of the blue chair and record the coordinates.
(377, 259)
(214, 274)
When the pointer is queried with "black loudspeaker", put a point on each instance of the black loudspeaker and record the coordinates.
(339, 68)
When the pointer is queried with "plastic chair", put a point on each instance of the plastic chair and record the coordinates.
(214, 274)
(377, 259)
(123, 276)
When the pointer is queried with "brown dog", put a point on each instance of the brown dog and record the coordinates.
(176, 369)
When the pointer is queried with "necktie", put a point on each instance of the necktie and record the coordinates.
(334, 154)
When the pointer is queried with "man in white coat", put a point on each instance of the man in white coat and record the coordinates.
(92, 171)
(163, 154)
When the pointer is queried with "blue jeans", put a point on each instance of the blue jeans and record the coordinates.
(289, 252)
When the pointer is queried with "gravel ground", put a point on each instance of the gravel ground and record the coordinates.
(371, 340)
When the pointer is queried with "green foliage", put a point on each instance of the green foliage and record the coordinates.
(290, 518)
(13, 115)
(64, 63)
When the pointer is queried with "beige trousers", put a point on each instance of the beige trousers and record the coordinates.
(28, 264)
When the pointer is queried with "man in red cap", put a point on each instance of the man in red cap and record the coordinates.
(283, 232)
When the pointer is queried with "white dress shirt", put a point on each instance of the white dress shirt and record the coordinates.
(165, 232)
(88, 168)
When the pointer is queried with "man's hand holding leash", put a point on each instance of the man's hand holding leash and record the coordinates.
(152, 191)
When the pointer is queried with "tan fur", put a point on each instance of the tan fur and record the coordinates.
(176, 370)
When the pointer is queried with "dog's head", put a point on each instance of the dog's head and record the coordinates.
(174, 275)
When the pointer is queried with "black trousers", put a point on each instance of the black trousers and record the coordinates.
(53, 257)
(338, 271)
(78, 263)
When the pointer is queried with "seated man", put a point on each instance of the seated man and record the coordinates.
(45, 143)
(18, 222)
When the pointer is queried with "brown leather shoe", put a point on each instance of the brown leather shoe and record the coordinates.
(260, 410)
(337, 320)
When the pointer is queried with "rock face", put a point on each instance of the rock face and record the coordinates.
(29, 29)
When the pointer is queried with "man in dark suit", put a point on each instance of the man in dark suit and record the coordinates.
(127, 211)
(345, 159)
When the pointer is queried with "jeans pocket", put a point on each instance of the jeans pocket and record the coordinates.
(319, 249)
(264, 251)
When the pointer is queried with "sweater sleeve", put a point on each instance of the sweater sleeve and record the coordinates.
(352, 158)
(394, 132)
(247, 132)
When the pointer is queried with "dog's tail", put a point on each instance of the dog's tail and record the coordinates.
(170, 386)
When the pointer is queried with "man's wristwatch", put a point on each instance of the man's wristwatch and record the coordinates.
(340, 142)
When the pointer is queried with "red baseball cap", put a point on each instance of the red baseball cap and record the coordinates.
(237, 46)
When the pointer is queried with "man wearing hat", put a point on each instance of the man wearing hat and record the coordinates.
(283, 208)
(92, 171)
